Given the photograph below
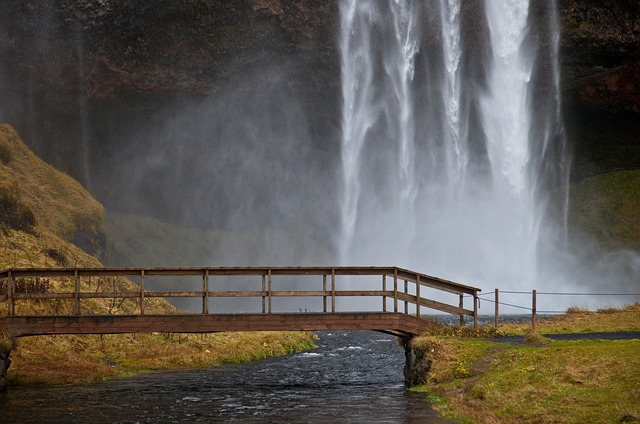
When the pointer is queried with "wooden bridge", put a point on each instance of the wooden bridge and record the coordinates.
(120, 300)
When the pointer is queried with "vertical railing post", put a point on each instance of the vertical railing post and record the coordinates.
(406, 292)
(76, 292)
(142, 292)
(269, 287)
(264, 297)
(495, 317)
(475, 309)
(395, 291)
(324, 291)
(333, 290)
(11, 309)
(418, 295)
(461, 305)
(205, 292)
(533, 311)
(384, 289)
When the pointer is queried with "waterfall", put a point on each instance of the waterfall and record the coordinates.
(377, 93)
(444, 163)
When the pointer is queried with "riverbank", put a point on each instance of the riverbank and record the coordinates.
(538, 380)
(47, 360)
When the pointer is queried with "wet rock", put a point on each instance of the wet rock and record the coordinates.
(417, 363)
(4, 366)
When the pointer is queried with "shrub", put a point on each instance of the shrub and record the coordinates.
(14, 214)
(5, 153)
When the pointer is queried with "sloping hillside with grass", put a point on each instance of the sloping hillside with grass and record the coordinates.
(34, 194)
(606, 207)
(42, 212)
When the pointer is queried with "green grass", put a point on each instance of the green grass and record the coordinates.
(606, 208)
(477, 380)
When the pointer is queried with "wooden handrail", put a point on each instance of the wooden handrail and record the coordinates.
(266, 291)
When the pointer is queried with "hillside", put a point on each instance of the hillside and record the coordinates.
(41, 212)
(40, 206)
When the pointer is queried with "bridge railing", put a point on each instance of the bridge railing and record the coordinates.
(70, 291)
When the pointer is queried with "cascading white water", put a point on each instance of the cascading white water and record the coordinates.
(375, 104)
(506, 120)
(451, 90)
(424, 186)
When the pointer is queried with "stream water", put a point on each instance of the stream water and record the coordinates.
(351, 377)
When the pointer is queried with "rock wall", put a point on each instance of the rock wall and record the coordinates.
(4, 366)
(7, 343)
(73, 70)
(418, 359)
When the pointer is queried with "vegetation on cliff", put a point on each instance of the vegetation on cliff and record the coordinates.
(606, 207)
(41, 212)
(39, 200)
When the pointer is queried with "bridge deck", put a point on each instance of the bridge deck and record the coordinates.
(112, 324)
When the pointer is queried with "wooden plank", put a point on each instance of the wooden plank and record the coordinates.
(433, 304)
(239, 271)
(23, 296)
(175, 293)
(197, 323)
(298, 293)
(439, 283)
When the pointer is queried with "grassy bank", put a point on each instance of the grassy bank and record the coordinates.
(479, 380)
(76, 359)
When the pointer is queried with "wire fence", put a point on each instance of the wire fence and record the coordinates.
(530, 305)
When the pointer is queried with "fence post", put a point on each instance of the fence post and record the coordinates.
(476, 300)
(461, 305)
(495, 318)
(76, 293)
(384, 289)
(324, 296)
(142, 292)
(269, 288)
(406, 302)
(333, 290)
(10, 302)
(418, 303)
(533, 311)
(264, 297)
(395, 291)
(205, 294)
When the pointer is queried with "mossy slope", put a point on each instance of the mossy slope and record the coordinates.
(57, 203)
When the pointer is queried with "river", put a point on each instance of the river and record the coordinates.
(351, 377)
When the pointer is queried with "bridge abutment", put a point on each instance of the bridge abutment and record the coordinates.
(6, 345)
(418, 362)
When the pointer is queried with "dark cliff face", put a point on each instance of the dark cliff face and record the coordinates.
(76, 70)
(600, 58)
(73, 70)
(601, 54)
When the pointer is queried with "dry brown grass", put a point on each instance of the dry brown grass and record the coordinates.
(59, 203)
(75, 359)
(578, 320)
